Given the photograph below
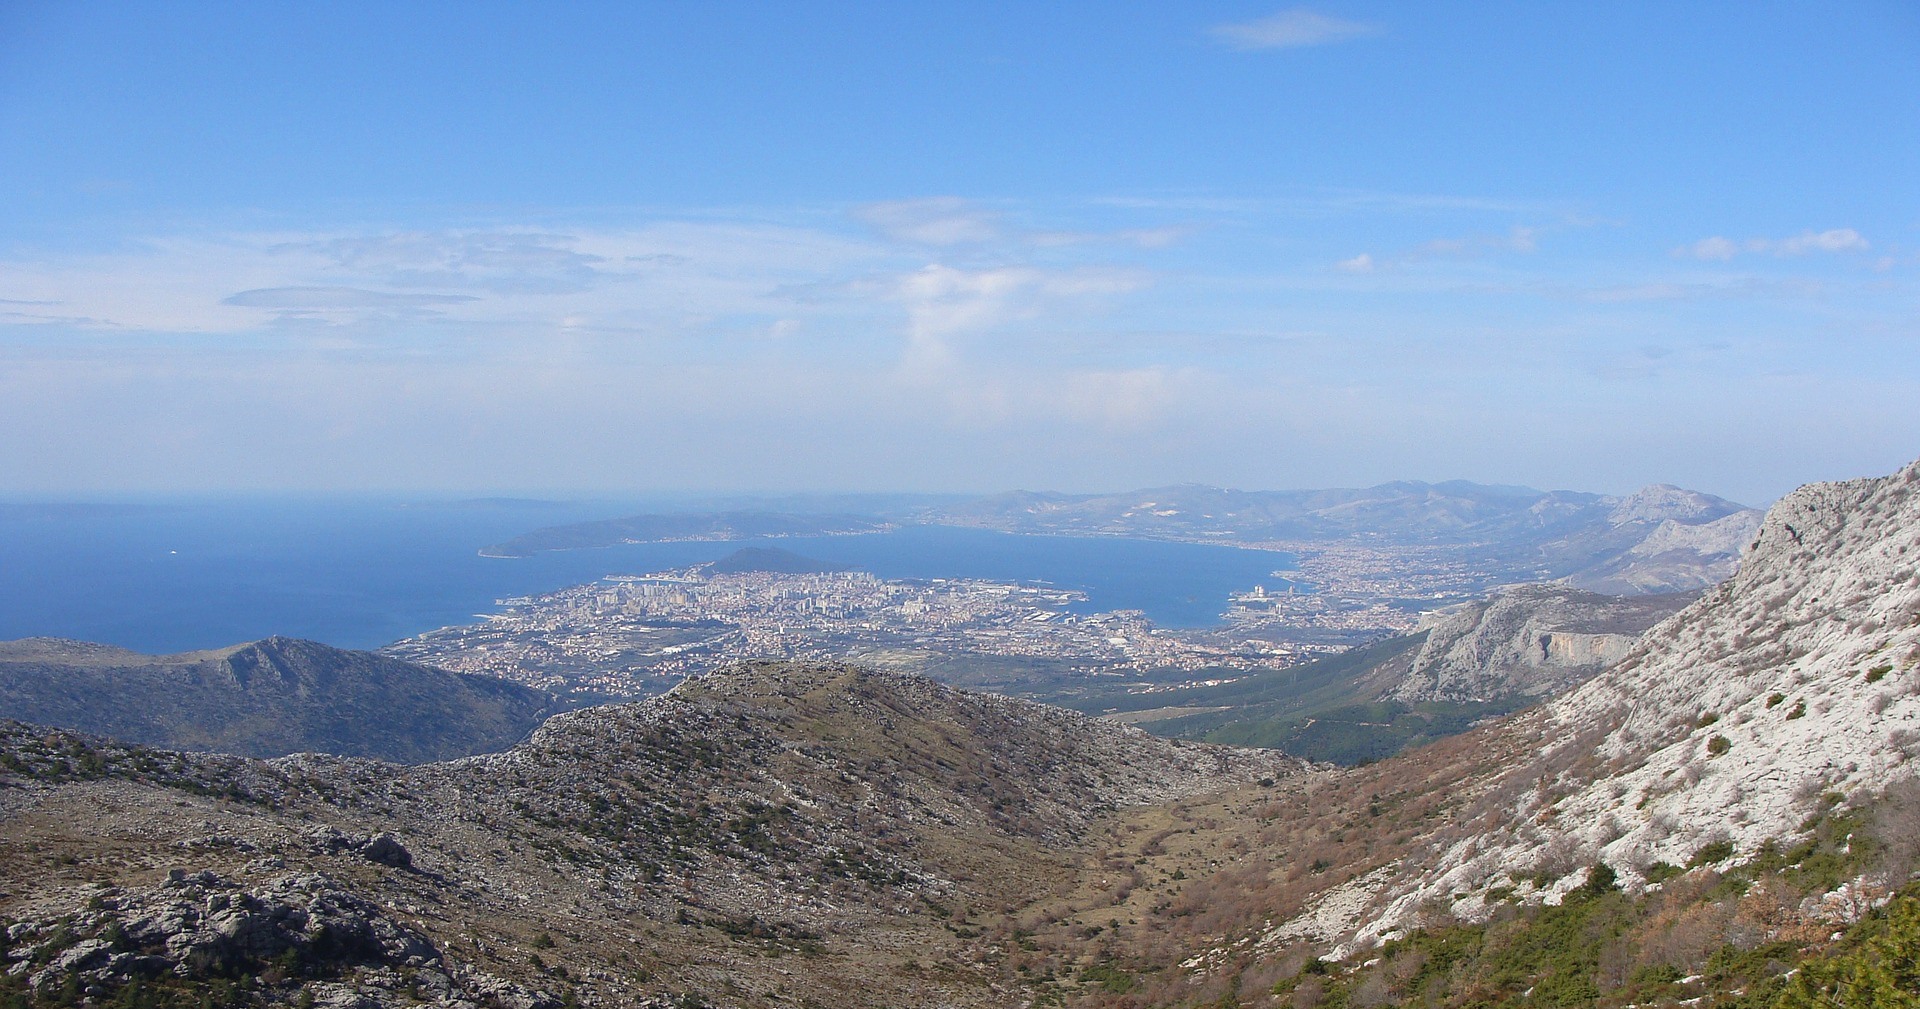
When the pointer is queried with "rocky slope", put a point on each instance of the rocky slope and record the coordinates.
(773, 835)
(1739, 721)
(265, 699)
(1529, 640)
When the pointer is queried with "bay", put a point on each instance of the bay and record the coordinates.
(184, 575)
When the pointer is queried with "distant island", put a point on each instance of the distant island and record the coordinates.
(669, 528)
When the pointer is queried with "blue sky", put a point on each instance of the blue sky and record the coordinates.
(664, 247)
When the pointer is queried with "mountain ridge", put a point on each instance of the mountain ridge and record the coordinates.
(750, 837)
(266, 698)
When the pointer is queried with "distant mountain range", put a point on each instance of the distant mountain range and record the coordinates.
(1660, 539)
(265, 699)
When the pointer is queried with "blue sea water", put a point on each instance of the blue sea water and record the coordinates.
(179, 576)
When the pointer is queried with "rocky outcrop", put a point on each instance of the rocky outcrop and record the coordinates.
(1527, 641)
(293, 931)
(1731, 724)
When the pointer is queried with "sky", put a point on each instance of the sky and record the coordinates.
(740, 247)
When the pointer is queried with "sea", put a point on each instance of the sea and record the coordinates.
(173, 576)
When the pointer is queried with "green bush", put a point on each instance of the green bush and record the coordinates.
(1660, 872)
(1711, 852)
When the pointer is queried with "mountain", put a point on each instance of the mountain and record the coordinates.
(1796, 679)
(729, 525)
(266, 698)
(770, 835)
(1659, 539)
(772, 560)
(1465, 664)
(1731, 800)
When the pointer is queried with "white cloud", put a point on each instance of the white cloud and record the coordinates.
(1832, 240)
(1291, 29)
(942, 301)
(1363, 263)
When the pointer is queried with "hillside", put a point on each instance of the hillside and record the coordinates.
(265, 699)
(772, 835)
(1468, 663)
(1796, 679)
(1731, 801)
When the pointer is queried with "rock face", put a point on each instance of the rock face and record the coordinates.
(1530, 641)
(266, 699)
(1796, 679)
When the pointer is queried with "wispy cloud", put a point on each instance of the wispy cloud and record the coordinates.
(500, 261)
(1517, 239)
(330, 298)
(1291, 29)
(1832, 240)
(938, 220)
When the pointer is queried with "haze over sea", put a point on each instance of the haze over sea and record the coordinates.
(185, 575)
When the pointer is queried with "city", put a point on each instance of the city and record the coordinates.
(635, 635)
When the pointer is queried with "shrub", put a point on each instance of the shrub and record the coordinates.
(1600, 879)
(1711, 852)
(1718, 745)
(1660, 872)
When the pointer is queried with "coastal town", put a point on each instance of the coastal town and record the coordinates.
(628, 636)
